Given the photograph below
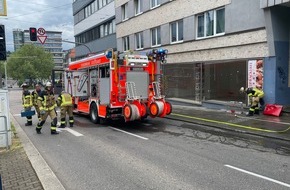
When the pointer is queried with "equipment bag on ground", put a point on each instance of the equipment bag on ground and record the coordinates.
(273, 109)
(27, 113)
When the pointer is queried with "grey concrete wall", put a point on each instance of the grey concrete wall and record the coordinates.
(243, 15)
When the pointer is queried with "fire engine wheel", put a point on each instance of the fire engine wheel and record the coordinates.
(168, 108)
(127, 111)
(145, 111)
(94, 113)
(154, 109)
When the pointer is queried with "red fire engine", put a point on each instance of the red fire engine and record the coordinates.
(113, 86)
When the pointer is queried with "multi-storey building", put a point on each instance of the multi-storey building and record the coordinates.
(215, 47)
(53, 44)
(94, 26)
(18, 40)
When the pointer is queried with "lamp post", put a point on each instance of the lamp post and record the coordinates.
(78, 44)
(5, 70)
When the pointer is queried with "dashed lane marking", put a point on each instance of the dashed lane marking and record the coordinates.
(258, 175)
(144, 138)
(75, 133)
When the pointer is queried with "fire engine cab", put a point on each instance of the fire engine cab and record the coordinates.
(114, 86)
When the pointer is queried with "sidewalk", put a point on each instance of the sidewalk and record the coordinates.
(24, 168)
(259, 125)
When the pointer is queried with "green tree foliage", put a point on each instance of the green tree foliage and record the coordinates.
(30, 62)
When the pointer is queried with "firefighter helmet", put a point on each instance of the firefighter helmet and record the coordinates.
(242, 89)
(48, 84)
(24, 85)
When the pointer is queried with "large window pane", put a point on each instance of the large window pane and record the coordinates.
(158, 36)
(173, 32)
(209, 23)
(180, 30)
(200, 26)
(220, 21)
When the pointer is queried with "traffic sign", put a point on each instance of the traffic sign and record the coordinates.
(42, 39)
(41, 31)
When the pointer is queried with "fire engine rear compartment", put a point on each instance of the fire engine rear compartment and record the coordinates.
(91, 90)
(109, 87)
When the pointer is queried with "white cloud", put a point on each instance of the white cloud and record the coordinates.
(52, 15)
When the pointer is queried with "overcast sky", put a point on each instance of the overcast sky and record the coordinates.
(52, 15)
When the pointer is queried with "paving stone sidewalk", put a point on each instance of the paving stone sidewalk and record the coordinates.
(16, 170)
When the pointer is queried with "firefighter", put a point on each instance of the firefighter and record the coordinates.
(64, 101)
(47, 104)
(255, 95)
(27, 102)
(35, 94)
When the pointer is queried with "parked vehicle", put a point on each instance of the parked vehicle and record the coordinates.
(115, 86)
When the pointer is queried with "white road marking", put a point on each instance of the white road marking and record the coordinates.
(260, 176)
(17, 114)
(144, 138)
(75, 133)
(147, 124)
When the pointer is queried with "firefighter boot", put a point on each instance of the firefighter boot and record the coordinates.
(257, 111)
(54, 132)
(251, 113)
(38, 129)
(62, 126)
(29, 123)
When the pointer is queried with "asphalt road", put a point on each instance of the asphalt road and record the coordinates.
(156, 154)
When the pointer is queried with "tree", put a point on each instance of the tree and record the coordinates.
(30, 62)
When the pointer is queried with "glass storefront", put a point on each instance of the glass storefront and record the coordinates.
(205, 81)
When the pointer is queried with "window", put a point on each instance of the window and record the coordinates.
(100, 3)
(139, 40)
(176, 31)
(126, 43)
(154, 3)
(138, 8)
(155, 36)
(125, 11)
(211, 23)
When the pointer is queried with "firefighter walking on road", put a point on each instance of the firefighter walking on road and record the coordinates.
(64, 101)
(256, 96)
(27, 102)
(35, 94)
(47, 104)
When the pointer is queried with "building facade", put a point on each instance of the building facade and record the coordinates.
(94, 26)
(53, 44)
(215, 47)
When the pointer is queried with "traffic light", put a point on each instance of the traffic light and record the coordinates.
(33, 34)
(2, 43)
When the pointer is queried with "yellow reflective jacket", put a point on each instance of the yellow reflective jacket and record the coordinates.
(26, 99)
(35, 94)
(255, 92)
(64, 99)
(46, 101)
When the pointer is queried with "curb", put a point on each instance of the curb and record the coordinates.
(46, 176)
